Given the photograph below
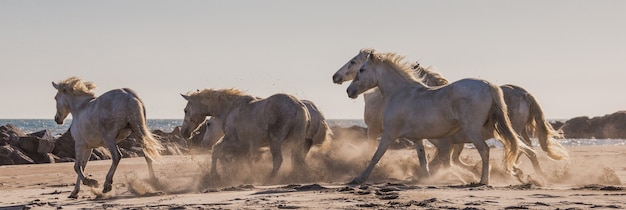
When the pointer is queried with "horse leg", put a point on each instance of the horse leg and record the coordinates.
(116, 156)
(299, 155)
(373, 133)
(483, 150)
(82, 156)
(277, 157)
(383, 144)
(421, 155)
(457, 149)
(150, 169)
(217, 153)
(532, 155)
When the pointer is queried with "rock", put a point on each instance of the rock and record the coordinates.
(46, 141)
(28, 144)
(9, 133)
(64, 146)
(100, 153)
(10, 155)
(612, 126)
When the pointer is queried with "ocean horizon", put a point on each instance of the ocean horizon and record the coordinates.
(167, 125)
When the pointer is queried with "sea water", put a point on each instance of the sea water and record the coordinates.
(167, 125)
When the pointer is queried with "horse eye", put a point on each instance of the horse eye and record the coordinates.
(361, 70)
(352, 62)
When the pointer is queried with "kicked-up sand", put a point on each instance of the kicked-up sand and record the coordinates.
(591, 178)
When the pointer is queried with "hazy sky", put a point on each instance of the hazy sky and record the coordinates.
(570, 54)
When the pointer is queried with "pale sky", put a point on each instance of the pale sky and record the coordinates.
(571, 55)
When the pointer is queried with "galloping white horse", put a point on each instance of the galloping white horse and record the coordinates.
(415, 111)
(524, 111)
(102, 121)
(318, 132)
(250, 123)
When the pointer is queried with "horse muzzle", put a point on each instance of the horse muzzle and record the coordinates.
(58, 120)
(352, 93)
(337, 79)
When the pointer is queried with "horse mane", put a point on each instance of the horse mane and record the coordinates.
(367, 50)
(429, 76)
(76, 86)
(230, 94)
(396, 61)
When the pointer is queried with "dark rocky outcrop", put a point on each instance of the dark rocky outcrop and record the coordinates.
(611, 126)
(16, 147)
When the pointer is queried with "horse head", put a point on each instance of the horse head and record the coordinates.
(365, 79)
(349, 70)
(194, 115)
(62, 104)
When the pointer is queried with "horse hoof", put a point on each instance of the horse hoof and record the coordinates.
(73, 196)
(355, 182)
(107, 188)
(91, 182)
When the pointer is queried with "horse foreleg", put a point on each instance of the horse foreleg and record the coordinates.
(380, 151)
(421, 155)
(82, 156)
(373, 132)
(116, 156)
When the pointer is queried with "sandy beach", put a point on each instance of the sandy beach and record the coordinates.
(592, 178)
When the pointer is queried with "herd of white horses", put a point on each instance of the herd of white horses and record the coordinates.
(402, 101)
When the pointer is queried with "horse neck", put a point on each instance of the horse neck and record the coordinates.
(390, 81)
(78, 103)
(227, 106)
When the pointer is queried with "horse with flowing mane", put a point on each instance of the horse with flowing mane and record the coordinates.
(525, 113)
(250, 123)
(102, 121)
(416, 111)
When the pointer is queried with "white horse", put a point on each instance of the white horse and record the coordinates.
(415, 111)
(250, 123)
(102, 121)
(525, 113)
(318, 132)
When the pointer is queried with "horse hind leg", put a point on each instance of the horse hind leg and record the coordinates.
(82, 156)
(116, 156)
(277, 157)
(483, 150)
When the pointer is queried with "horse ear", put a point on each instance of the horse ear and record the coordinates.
(186, 97)
(55, 85)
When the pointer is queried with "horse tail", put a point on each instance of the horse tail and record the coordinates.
(151, 146)
(503, 129)
(323, 136)
(544, 131)
(299, 134)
